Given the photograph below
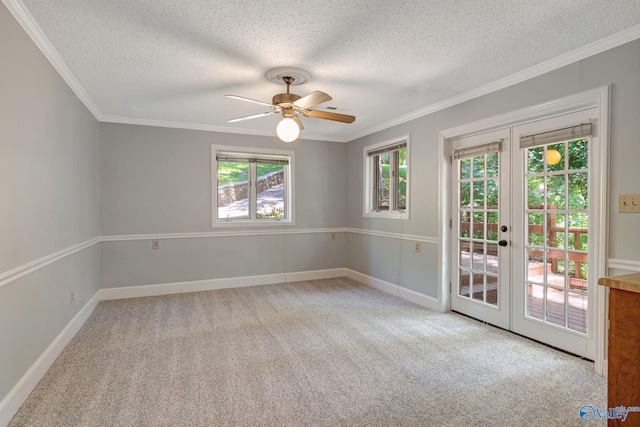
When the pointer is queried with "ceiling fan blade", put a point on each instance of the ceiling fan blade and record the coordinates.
(242, 98)
(298, 121)
(253, 116)
(344, 118)
(314, 98)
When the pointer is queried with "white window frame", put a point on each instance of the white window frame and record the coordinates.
(257, 152)
(369, 182)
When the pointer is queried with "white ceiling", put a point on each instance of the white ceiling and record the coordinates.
(171, 62)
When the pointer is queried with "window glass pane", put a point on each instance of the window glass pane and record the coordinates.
(270, 191)
(233, 190)
(382, 164)
(578, 154)
(402, 179)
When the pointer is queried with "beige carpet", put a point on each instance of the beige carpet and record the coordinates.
(318, 353)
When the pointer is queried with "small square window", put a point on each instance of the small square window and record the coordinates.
(251, 187)
(387, 179)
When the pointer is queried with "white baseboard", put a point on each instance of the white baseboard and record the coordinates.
(215, 284)
(390, 288)
(16, 397)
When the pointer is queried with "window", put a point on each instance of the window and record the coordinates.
(251, 186)
(387, 179)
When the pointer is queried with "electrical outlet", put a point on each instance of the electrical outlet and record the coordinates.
(628, 203)
(333, 236)
(156, 244)
(73, 298)
(417, 246)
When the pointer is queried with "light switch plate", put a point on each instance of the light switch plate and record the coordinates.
(628, 203)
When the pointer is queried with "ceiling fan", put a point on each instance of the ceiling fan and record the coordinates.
(290, 105)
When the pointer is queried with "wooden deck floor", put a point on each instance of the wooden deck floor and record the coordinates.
(577, 304)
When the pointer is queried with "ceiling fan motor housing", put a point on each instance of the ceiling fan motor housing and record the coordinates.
(285, 98)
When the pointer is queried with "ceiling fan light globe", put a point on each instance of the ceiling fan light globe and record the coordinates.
(288, 130)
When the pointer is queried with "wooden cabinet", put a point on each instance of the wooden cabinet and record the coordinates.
(623, 382)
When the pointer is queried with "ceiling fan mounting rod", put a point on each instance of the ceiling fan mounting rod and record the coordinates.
(288, 80)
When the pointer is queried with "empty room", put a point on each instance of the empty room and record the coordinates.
(362, 213)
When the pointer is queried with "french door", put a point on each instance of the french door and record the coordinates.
(520, 230)
(481, 227)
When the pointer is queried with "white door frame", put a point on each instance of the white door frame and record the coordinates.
(598, 97)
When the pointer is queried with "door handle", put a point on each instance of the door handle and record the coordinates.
(503, 243)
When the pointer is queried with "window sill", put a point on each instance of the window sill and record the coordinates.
(252, 223)
(387, 215)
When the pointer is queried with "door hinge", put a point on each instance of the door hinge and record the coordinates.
(450, 223)
(450, 160)
(449, 287)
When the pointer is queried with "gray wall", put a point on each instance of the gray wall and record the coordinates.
(157, 180)
(48, 201)
(385, 258)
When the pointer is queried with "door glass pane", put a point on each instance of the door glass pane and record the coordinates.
(578, 154)
(465, 168)
(270, 191)
(479, 228)
(492, 225)
(555, 307)
(478, 167)
(478, 194)
(535, 186)
(464, 283)
(478, 256)
(535, 160)
(555, 230)
(535, 265)
(465, 194)
(478, 225)
(478, 287)
(555, 157)
(465, 224)
(233, 190)
(578, 191)
(558, 230)
(578, 312)
(536, 229)
(555, 192)
(535, 301)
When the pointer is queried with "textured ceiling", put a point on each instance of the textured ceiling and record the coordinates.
(174, 60)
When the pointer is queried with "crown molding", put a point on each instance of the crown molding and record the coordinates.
(591, 49)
